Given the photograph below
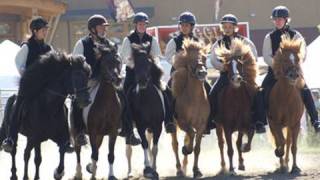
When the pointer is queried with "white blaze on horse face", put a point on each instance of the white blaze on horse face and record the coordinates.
(234, 67)
(292, 58)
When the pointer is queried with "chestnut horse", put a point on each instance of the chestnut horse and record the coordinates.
(285, 103)
(104, 114)
(236, 100)
(192, 105)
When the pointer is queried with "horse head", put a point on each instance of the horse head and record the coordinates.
(145, 67)
(110, 63)
(239, 62)
(77, 79)
(193, 58)
(287, 60)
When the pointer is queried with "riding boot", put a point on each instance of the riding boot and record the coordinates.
(170, 125)
(210, 124)
(311, 108)
(267, 85)
(78, 124)
(259, 116)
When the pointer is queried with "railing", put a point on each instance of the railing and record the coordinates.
(4, 95)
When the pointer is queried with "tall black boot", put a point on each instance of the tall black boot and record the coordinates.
(311, 108)
(78, 124)
(259, 116)
(170, 125)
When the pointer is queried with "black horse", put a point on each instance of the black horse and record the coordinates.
(40, 108)
(147, 105)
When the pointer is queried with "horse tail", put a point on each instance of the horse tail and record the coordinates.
(6, 118)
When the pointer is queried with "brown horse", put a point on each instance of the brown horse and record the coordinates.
(105, 113)
(236, 100)
(285, 102)
(192, 105)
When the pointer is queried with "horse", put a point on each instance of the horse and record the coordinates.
(43, 89)
(192, 105)
(285, 103)
(104, 113)
(147, 107)
(236, 100)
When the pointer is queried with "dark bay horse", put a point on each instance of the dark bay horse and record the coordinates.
(40, 107)
(286, 105)
(147, 105)
(236, 100)
(192, 104)
(105, 112)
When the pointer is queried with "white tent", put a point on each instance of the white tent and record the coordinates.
(311, 67)
(9, 75)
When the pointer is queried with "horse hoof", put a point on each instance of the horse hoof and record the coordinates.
(13, 177)
(148, 172)
(185, 151)
(232, 173)
(245, 148)
(130, 175)
(242, 167)
(282, 170)
(278, 153)
(58, 175)
(180, 173)
(295, 170)
(90, 167)
(112, 178)
(25, 178)
(197, 174)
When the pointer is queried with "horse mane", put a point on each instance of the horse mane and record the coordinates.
(287, 45)
(239, 48)
(182, 60)
(39, 74)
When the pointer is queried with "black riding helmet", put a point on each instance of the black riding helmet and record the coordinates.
(229, 18)
(38, 23)
(187, 17)
(280, 11)
(96, 20)
(141, 17)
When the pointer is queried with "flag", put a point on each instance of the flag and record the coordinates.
(121, 10)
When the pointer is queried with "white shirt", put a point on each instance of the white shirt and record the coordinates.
(170, 51)
(126, 51)
(267, 48)
(217, 64)
(78, 48)
(21, 58)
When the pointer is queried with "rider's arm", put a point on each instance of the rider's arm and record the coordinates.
(155, 49)
(252, 47)
(216, 63)
(170, 51)
(303, 47)
(267, 50)
(21, 58)
(78, 48)
(126, 53)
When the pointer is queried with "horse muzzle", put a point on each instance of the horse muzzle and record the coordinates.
(236, 80)
(201, 74)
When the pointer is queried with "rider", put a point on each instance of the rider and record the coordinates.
(30, 52)
(187, 22)
(281, 18)
(85, 46)
(139, 36)
(229, 25)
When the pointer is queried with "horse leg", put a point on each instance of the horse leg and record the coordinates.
(239, 148)
(187, 148)
(219, 132)
(196, 171)
(288, 145)
(26, 158)
(175, 147)
(112, 142)
(247, 146)
(228, 136)
(149, 136)
(13, 165)
(276, 130)
(59, 171)
(78, 174)
(154, 151)
(37, 159)
(295, 132)
(95, 142)
(129, 155)
(148, 171)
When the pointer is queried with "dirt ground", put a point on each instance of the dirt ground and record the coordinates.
(260, 162)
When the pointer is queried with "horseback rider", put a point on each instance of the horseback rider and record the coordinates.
(85, 46)
(281, 18)
(30, 52)
(139, 36)
(229, 25)
(186, 23)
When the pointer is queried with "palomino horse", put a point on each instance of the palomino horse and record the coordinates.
(40, 107)
(192, 105)
(236, 100)
(104, 114)
(285, 102)
(147, 106)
